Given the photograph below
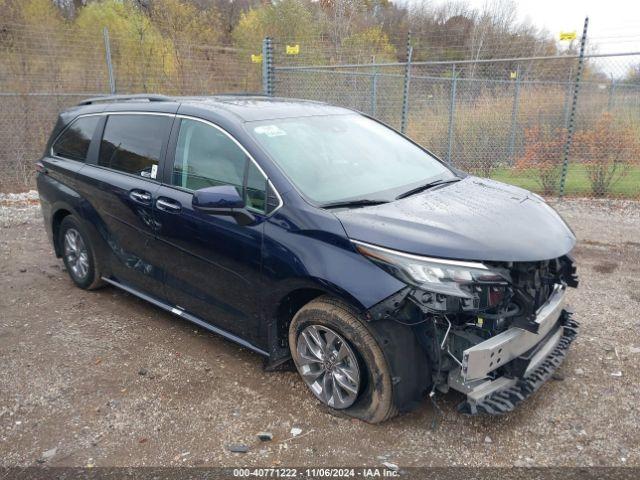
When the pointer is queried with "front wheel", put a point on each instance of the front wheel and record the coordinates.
(340, 361)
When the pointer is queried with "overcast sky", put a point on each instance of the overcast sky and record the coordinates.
(613, 24)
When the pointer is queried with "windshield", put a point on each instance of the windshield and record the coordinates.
(337, 158)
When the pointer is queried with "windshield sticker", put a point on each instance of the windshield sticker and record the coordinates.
(270, 131)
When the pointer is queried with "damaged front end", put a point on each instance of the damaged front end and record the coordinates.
(493, 331)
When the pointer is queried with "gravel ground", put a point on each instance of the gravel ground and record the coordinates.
(102, 378)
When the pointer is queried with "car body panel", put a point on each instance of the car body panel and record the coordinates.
(212, 263)
(473, 219)
(308, 246)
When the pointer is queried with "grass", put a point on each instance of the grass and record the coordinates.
(577, 183)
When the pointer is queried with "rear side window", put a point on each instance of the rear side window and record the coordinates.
(133, 143)
(75, 140)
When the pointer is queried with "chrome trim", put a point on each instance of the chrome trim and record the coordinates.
(188, 117)
(442, 261)
(233, 139)
(98, 114)
(483, 358)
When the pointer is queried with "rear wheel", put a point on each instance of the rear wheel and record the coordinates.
(340, 361)
(78, 254)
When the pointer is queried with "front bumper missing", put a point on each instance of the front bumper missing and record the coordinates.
(481, 359)
(504, 393)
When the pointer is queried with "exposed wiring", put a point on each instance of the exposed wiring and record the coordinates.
(410, 324)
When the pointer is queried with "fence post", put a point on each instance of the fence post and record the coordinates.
(514, 117)
(452, 108)
(405, 91)
(567, 96)
(107, 49)
(267, 67)
(574, 104)
(374, 89)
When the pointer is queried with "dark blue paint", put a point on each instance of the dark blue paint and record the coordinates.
(473, 219)
(236, 276)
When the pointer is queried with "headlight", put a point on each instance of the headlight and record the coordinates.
(448, 277)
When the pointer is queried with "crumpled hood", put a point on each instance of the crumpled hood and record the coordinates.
(473, 219)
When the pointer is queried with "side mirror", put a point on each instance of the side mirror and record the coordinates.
(222, 200)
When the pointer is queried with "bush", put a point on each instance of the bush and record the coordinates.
(542, 155)
(607, 151)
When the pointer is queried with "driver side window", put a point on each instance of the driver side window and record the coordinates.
(207, 157)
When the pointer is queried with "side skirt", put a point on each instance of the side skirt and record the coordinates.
(187, 316)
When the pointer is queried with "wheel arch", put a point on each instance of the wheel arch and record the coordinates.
(56, 220)
(286, 302)
(87, 216)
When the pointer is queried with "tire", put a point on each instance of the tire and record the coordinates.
(374, 400)
(86, 273)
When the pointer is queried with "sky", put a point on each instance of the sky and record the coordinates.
(614, 25)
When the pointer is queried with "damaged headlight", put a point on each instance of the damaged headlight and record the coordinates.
(447, 277)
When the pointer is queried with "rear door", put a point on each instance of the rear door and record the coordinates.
(213, 263)
(122, 186)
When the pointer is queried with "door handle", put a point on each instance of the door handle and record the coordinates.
(140, 196)
(168, 205)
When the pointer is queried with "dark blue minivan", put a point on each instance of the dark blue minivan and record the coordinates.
(314, 233)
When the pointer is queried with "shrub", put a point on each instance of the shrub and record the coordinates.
(543, 148)
(607, 151)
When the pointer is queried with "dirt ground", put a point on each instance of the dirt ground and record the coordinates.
(102, 378)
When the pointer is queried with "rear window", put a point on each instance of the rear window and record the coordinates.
(75, 140)
(133, 143)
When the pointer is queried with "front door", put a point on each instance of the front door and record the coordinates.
(212, 262)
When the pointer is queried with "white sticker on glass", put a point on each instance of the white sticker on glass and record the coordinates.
(270, 131)
(154, 171)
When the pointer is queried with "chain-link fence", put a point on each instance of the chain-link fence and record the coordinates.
(559, 125)
(45, 70)
(563, 124)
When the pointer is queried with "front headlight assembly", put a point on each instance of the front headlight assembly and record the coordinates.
(447, 277)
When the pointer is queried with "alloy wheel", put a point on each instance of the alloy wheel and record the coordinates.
(328, 366)
(76, 254)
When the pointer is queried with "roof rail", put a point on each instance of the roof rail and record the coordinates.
(126, 98)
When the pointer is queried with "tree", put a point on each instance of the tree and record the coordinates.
(143, 58)
(607, 151)
(543, 155)
(370, 43)
(633, 74)
(183, 22)
(286, 21)
(188, 31)
(229, 14)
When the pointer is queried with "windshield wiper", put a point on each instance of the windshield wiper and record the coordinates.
(427, 186)
(361, 202)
